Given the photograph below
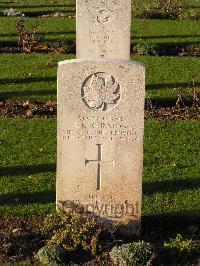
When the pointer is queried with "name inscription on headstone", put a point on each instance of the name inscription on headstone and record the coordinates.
(100, 128)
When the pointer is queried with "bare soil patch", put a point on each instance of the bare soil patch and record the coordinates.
(48, 109)
(27, 109)
(20, 239)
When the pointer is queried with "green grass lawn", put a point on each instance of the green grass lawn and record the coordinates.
(39, 6)
(50, 30)
(33, 76)
(171, 168)
(148, 30)
(28, 166)
(30, 7)
(29, 76)
(165, 31)
(28, 152)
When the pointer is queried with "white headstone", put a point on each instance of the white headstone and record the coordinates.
(100, 138)
(103, 28)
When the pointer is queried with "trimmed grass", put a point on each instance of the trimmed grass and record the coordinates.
(165, 31)
(28, 152)
(148, 30)
(49, 29)
(171, 167)
(168, 77)
(30, 6)
(30, 76)
(33, 6)
(33, 76)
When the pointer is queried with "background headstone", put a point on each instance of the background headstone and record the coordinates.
(100, 138)
(103, 29)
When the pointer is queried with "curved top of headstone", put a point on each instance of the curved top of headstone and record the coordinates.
(114, 60)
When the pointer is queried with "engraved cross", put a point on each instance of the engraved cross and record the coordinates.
(99, 162)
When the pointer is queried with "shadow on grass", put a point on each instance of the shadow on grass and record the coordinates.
(27, 94)
(171, 85)
(171, 221)
(28, 198)
(27, 80)
(8, 44)
(27, 170)
(166, 36)
(47, 79)
(170, 185)
(7, 2)
(156, 102)
(133, 38)
(38, 33)
(33, 6)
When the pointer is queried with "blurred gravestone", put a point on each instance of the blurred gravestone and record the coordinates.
(103, 28)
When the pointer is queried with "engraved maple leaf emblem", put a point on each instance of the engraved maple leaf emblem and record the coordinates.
(101, 91)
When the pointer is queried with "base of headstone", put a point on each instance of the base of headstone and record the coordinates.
(126, 227)
(100, 139)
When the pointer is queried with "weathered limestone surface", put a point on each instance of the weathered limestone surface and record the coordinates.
(103, 28)
(100, 137)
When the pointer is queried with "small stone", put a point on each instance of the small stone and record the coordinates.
(16, 230)
(53, 254)
(50, 104)
(26, 104)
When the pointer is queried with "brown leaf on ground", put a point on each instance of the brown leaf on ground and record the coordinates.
(27, 109)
